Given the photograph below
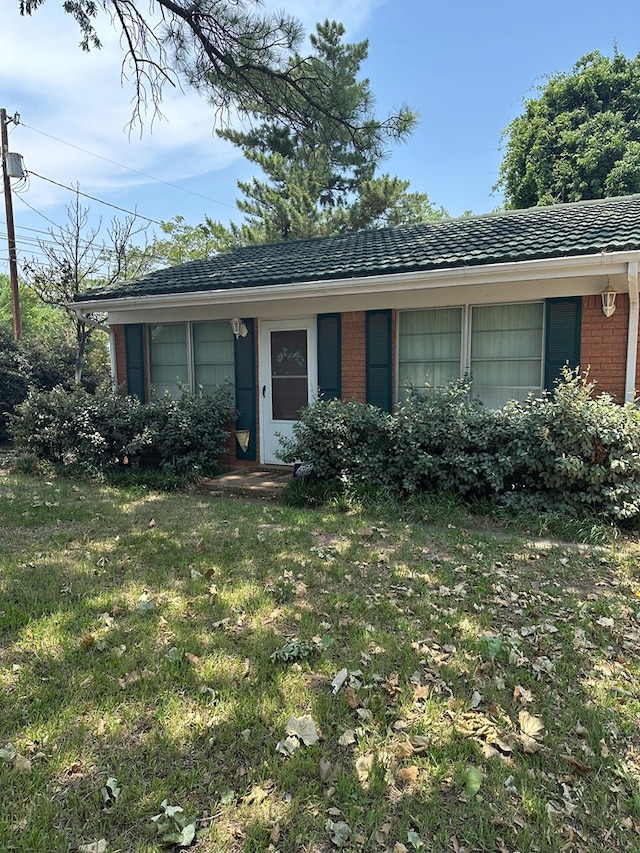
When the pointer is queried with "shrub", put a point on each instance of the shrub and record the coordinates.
(566, 452)
(443, 442)
(13, 383)
(183, 434)
(577, 450)
(349, 442)
(106, 432)
(42, 364)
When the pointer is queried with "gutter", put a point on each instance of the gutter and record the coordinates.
(610, 263)
(632, 335)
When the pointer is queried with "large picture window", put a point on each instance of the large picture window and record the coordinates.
(500, 346)
(197, 356)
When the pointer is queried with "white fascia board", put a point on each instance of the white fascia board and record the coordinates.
(568, 267)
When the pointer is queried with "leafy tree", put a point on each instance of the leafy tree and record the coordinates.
(318, 180)
(579, 139)
(227, 49)
(75, 261)
(185, 242)
(37, 319)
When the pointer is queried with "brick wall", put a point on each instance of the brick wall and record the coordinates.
(121, 360)
(353, 356)
(603, 345)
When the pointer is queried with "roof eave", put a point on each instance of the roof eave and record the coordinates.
(609, 263)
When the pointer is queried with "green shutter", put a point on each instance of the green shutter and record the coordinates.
(245, 378)
(329, 356)
(562, 337)
(378, 359)
(134, 358)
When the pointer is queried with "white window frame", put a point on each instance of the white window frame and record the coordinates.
(190, 352)
(466, 334)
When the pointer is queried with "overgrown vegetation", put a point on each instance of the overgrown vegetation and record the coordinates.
(238, 677)
(41, 361)
(105, 432)
(571, 451)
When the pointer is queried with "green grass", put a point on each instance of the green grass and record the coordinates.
(137, 630)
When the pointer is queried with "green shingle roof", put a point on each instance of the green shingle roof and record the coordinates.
(582, 228)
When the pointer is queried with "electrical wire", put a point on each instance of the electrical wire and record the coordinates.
(93, 198)
(129, 169)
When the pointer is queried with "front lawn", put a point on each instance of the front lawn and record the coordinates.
(308, 680)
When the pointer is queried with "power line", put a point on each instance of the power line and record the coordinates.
(128, 168)
(93, 198)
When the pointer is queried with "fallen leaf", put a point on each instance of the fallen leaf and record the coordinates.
(303, 728)
(93, 847)
(339, 680)
(326, 769)
(420, 743)
(472, 779)
(530, 725)
(407, 775)
(288, 746)
(340, 832)
(583, 769)
(352, 697)
(364, 765)
(347, 738)
(22, 763)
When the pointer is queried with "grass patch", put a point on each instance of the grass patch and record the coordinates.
(470, 689)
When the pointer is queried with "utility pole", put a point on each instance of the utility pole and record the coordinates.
(11, 234)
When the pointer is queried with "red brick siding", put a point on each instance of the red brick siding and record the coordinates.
(120, 357)
(603, 345)
(353, 356)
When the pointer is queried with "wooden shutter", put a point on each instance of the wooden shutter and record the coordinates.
(245, 379)
(378, 359)
(562, 337)
(329, 356)
(134, 358)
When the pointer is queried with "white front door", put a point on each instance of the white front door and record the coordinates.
(288, 379)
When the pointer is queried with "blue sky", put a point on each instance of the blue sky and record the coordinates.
(464, 66)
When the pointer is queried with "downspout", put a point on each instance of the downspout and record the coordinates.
(632, 336)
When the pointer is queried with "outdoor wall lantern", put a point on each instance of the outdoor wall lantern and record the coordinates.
(239, 328)
(608, 300)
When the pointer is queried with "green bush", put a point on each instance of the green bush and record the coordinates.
(568, 451)
(107, 432)
(346, 441)
(41, 364)
(183, 434)
(13, 384)
(577, 450)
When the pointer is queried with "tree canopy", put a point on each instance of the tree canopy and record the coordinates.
(579, 139)
(228, 50)
(319, 181)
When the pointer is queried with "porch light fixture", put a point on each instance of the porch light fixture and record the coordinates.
(608, 300)
(239, 328)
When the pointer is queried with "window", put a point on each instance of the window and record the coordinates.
(212, 355)
(499, 345)
(429, 346)
(168, 358)
(190, 355)
(506, 352)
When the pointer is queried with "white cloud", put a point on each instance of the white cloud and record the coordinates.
(81, 99)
